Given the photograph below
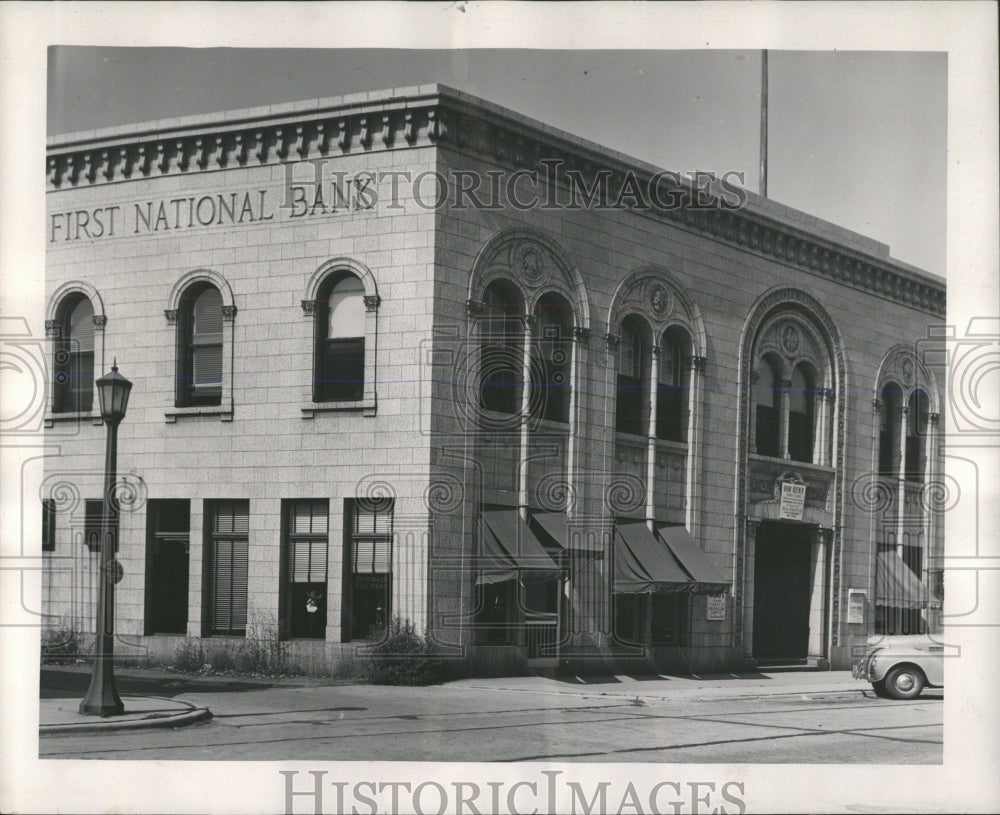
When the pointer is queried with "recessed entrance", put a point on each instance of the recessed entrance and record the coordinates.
(782, 589)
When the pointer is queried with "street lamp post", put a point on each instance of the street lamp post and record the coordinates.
(102, 697)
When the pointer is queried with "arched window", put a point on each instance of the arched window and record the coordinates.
(74, 357)
(552, 358)
(801, 415)
(890, 414)
(672, 388)
(199, 380)
(916, 423)
(768, 410)
(339, 369)
(501, 348)
(633, 378)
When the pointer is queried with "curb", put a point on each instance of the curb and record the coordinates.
(187, 717)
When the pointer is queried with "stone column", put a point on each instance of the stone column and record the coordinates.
(577, 407)
(824, 416)
(654, 381)
(904, 422)
(696, 400)
(522, 490)
(786, 404)
(743, 602)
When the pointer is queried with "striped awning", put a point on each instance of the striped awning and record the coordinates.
(896, 586)
(643, 564)
(509, 550)
(706, 578)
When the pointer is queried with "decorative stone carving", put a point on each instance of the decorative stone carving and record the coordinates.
(309, 308)
(372, 302)
(790, 339)
(171, 315)
(659, 301)
(528, 261)
(228, 313)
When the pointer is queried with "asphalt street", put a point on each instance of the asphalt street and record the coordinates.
(523, 720)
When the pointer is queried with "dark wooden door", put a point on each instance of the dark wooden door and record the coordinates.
(782, 588)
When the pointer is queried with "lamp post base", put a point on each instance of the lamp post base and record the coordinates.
(102, 697)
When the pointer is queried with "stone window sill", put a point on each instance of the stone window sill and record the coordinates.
(51, 419)
(364, 406)
(224, 414)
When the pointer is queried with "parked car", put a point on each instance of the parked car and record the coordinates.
(900, 667)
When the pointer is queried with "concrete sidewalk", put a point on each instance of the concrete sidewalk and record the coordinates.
(653, 689)
(60, 714)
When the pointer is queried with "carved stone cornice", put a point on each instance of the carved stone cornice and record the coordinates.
(372, 302)
(435, 115)
(171, 315)
(309, 308)
(100, 320)
(228, 313)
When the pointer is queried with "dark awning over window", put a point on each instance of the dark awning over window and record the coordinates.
(644, 564)
(898, 587)
(554, 525)
(509, 550)
(707, 579)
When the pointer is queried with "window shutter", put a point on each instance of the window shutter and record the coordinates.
(230, 566)
(207, 365)
(307, 551)
(373, 555)
(81, 327)
(223, 590)
(372, 518)
(308, 561)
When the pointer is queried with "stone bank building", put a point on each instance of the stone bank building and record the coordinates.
(410, 354)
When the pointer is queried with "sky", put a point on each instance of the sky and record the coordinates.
(856, 138)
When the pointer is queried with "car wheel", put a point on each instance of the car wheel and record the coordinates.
(879, 687)
(904, 682)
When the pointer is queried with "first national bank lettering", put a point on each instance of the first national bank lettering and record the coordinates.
(161, 215)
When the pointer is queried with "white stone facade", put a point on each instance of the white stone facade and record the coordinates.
(140, 216)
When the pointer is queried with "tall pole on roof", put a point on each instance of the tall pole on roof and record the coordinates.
(763, 124)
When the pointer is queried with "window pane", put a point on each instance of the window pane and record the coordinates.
(81, 325)
(207, 313)
(75, 360)
(342, 376)
(347, 309)
(800, 418)
(207, 365)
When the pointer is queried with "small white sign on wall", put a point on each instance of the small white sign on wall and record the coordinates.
(856, 600)
(715, 609)
(793, 501)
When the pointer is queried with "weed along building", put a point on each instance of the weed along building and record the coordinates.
(412, 355)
